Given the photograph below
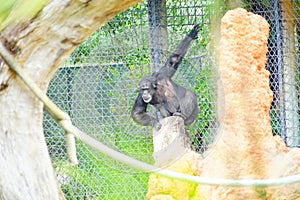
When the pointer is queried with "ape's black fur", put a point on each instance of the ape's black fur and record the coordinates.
(168, 97)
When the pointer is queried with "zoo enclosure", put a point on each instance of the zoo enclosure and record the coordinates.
(97, 86)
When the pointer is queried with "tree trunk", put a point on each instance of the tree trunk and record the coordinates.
(40, 42)
(290, 76)
(170, 142)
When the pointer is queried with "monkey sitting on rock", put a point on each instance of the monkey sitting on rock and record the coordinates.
(166, 96)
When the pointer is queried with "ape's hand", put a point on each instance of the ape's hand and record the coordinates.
(194, 32)
(157, 126)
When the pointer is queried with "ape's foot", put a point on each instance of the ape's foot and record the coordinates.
(178, 114)
(157, 126)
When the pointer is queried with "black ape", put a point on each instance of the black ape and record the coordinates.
(168, 97)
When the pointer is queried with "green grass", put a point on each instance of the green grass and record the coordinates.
(99, 177)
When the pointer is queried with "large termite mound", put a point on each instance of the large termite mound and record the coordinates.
(245, 147)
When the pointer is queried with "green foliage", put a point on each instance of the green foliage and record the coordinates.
(201, 132)
(117, 36)
(5, 8)
(127, 20)
(206, 95)
(19, 11)
(275, 121)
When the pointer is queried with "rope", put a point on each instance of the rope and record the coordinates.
(64, 120)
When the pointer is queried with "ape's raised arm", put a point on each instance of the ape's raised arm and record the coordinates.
(176, 57)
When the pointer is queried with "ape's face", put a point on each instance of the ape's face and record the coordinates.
(147, 97)
(147, 90)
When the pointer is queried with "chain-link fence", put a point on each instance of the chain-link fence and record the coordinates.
(283, 64)
(97, 87)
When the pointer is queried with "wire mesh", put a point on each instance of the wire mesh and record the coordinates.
(283, 64)
(97, 87)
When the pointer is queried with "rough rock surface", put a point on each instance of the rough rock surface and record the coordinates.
(245, 147)
(172, 151)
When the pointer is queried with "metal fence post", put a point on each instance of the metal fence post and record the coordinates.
(290, 76)
(158, 33)
(277, 14)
